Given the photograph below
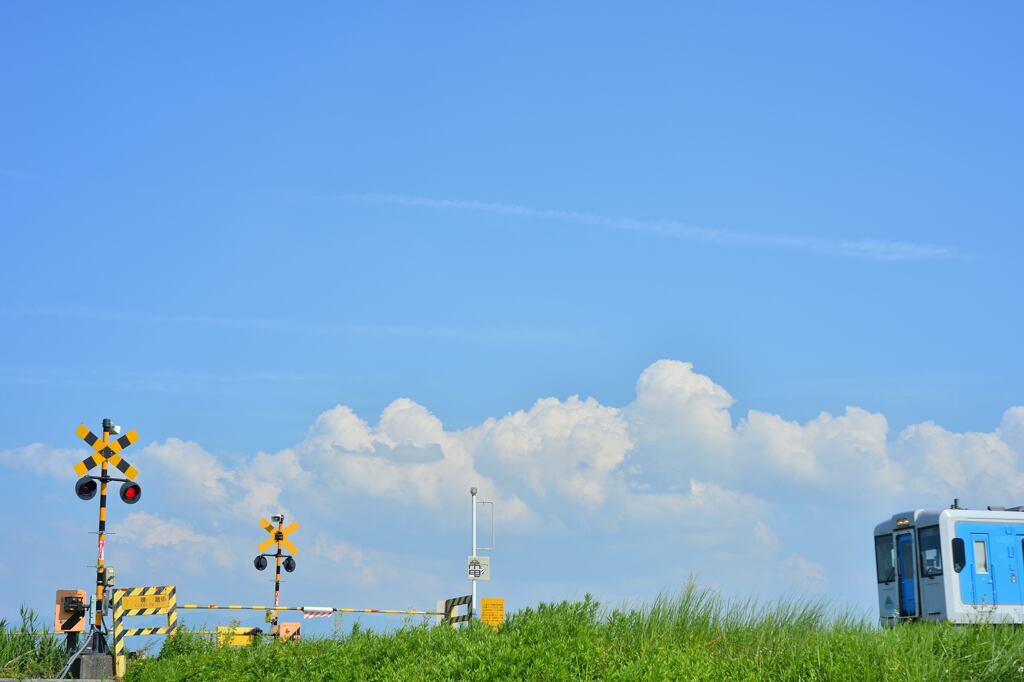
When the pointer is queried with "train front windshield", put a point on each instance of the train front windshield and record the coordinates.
(884, 564)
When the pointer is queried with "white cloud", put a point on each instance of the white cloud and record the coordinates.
(151, 530)
(765, 536)
(802, 573)
(191, 466)
(674, 464)
(643, 457)
(569, 447)
(167, 540)
(349, 558)
(42, 459)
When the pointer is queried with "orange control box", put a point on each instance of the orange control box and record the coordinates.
(286, 631)
(69, 611)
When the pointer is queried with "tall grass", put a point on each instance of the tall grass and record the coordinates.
(693, 635)
(26, 653)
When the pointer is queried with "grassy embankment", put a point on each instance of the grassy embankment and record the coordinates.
(692, 636)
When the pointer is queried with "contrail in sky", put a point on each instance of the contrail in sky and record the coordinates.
(873, 249)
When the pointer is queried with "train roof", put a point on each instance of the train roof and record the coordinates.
(929, 517)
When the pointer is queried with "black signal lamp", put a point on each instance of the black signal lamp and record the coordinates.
(289, 564)
(260, 562)
(130, 492)
(85, 488)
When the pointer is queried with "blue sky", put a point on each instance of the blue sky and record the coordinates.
(222, 223)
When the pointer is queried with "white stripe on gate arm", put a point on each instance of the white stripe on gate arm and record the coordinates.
(317, 611)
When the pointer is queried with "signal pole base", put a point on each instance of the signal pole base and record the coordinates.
(93, 661)
(93, 667)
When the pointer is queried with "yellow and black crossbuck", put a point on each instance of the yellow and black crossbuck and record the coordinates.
(278, 537)
(110, 451)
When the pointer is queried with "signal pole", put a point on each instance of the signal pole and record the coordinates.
(472, 497)
(101, 547)
(277, 574)
(478, 567)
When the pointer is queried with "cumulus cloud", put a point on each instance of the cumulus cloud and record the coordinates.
(193, 466)
(570, 447)
(170, 537)
(674, 461)
(665, 452)
(42, 459)
(350, 559)
(151, 530)
(645, 455)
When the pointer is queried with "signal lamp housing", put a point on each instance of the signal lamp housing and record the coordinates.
(260, 562)
(86, 488)
(289, 564)
(130, 492)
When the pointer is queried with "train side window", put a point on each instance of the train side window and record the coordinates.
(884, 565)
(959, 555)
(931, 556)
(980, 557)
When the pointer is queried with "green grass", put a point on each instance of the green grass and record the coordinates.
(24, 653)
(694, 635)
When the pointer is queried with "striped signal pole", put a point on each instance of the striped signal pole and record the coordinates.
(277, 573)
(101, 583)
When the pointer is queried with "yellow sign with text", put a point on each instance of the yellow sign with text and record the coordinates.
(492, 611)
(145, 601)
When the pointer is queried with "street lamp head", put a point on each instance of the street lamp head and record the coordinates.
(472, 491)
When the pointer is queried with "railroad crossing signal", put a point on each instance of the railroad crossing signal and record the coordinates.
(108, 451)
(278, 536)
(105, 452)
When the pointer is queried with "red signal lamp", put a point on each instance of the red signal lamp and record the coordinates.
(130, 492)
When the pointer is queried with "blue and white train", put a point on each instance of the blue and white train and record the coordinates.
(960, 565)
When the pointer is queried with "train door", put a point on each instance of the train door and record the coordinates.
(906, 574)
(1017, 575)
(931, 588)
(981, 569)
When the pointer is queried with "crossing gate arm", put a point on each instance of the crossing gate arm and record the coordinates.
(309, 610)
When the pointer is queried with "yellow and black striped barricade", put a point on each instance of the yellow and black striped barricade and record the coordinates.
(154, 600)
(450, 607)
(236, 635)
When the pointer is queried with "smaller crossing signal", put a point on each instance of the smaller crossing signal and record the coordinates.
(85, 488)
(278, 536)
(131, 492)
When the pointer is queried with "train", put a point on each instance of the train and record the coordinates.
(957, 565)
